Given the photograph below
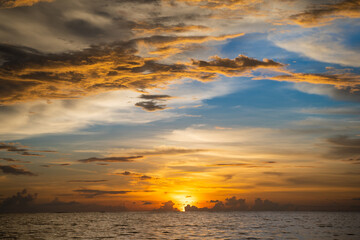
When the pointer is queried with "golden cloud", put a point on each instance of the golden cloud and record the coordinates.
(20, 3)
(341, 80)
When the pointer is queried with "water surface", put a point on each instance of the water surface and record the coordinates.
(182, 225)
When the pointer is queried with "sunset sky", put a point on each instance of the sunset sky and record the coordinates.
(135, 103)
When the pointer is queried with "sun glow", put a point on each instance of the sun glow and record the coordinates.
(181, 200)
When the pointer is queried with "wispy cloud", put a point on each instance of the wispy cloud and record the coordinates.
(111, 159)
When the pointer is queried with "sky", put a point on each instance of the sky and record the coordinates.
(160, 104)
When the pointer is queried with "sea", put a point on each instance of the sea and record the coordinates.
(182, 225)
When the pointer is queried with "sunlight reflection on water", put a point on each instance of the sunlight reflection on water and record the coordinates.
(188, 225)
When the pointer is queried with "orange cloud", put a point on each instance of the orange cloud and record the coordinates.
(342, 80)
(19, 3)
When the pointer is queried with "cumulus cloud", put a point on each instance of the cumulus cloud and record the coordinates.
(111, 159)
(167, 207)
(19, 202)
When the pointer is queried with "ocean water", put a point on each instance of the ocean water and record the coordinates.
(182, 225)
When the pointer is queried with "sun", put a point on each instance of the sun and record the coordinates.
(181, 200)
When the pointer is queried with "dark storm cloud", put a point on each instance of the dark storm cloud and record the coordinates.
(111, 159)
(15, 170)
(344, 147)
(321, 14)
(151, 106)
(90, 193)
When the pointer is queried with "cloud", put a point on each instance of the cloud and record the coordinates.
(222, 4)
(319, 45)
(15, 170)
(235, 204)
(144, 177)
(14, 160)
(323, 14)
(90, 193)
(155, 97)
(103, 68)
(15, 147)
(19, 202)
(167, 150)
(111, 159)
(167, 207)
(19, 3)
(87, 181)
(150, 106)
(235, 67)
(344, 147)
(346, 80)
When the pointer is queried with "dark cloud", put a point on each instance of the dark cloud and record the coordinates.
(25, 202)
(321, 14)
(167, 207)
(144, 177)
(344, 147)
(90, 193)
(14, 147)
(154, 97)
(235, 204)
(87, 181)
(146, 203)
(150, 106)
(15, 170)
(233, 67)
(14, 160)
(265, 205)
(19, 202)
(111, 159)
